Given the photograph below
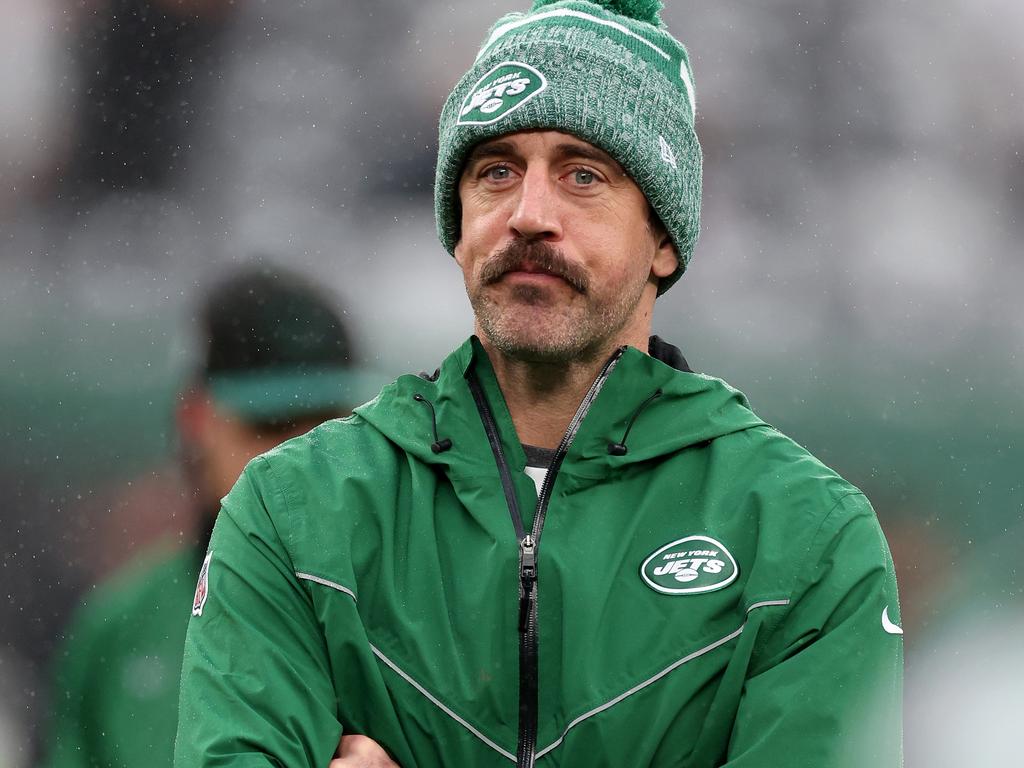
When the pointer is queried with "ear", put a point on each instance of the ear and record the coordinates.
(666, 259)
(193, 414)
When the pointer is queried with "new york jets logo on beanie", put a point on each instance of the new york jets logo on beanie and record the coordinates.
(607, 72)
(506, 87)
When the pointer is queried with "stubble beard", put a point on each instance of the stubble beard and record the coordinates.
(535, 324)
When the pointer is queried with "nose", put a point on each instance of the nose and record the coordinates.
(535, 215)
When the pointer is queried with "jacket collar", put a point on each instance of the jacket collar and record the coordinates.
(692, 409)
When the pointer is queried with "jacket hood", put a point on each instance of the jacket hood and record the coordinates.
(691, 409)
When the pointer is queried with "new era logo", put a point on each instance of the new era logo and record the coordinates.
(666, 152)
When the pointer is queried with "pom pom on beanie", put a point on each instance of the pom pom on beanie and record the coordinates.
(641, 10)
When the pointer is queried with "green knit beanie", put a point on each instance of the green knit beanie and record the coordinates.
(606, 72)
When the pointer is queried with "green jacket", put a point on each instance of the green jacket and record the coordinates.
(115, 701)
(710, 595)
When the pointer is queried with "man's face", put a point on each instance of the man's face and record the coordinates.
(557, 249)
(218, 444)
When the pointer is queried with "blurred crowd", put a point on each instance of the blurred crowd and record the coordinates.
(857, 274)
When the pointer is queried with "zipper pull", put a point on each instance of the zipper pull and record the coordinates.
(528, 561)
(528, 577)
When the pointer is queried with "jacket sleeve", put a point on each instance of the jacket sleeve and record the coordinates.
(827, 691)
(256, 688)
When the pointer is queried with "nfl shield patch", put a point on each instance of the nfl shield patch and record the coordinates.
(203, 587)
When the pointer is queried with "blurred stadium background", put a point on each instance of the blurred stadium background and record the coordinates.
(859, 273)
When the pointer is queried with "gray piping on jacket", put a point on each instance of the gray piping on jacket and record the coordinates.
(658, 676)
(597, 710)
(439, 705)
(326, 583)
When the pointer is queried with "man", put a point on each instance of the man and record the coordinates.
(563, 548)
(276, 363)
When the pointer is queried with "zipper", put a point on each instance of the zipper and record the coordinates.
(528, 546)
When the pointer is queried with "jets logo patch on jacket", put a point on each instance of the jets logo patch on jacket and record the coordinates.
(689, 566)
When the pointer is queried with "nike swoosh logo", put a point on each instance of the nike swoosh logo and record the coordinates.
(887, 625)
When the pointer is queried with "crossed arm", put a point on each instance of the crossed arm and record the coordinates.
(361, 752)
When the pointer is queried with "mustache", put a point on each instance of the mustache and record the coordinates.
(540, 255)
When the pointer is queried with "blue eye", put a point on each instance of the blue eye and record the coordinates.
(497, 172)
(584, 177)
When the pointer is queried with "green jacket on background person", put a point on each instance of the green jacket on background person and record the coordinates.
(698, 590)
(116, 693)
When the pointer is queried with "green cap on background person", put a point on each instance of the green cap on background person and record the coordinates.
(276, 349)
(606, 72)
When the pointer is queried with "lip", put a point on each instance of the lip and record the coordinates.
(528, 269)
(537, 278)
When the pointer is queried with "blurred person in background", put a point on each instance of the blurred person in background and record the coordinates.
(276, 361)
(383, 581)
